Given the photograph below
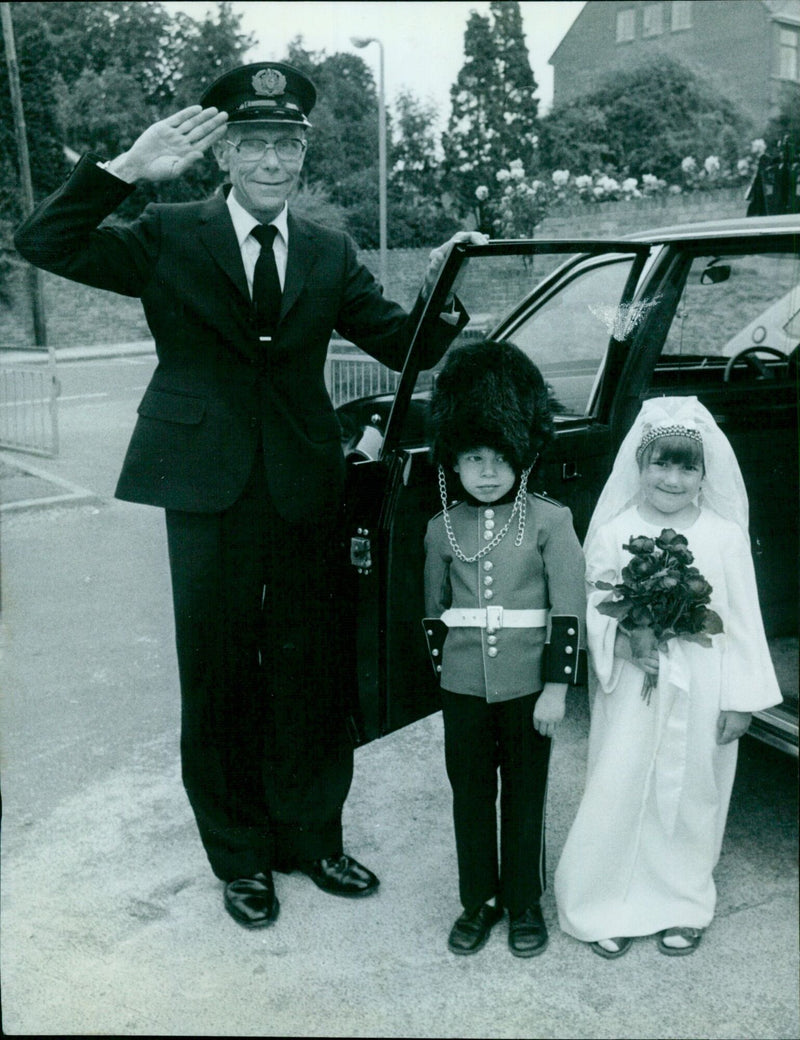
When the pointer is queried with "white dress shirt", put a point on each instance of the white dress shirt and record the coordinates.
(243, 224)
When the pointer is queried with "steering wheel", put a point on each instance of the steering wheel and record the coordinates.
(748, 356)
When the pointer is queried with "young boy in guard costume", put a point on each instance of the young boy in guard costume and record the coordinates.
(498, 563)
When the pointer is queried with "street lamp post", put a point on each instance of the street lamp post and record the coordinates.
(363, 41)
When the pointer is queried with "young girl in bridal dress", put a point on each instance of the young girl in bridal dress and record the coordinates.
(639, 857)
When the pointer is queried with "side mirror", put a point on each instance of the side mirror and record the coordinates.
(715, 273)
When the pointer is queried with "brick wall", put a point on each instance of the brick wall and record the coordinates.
(78, 315)
(622, 218)
(406, 267)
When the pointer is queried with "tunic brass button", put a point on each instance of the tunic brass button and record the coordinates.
(488, 594)
(488, 579)
(567, 649)
(491, 640)
(488, 513)
(492, 651)
(570, 631)
(487, 565)
(488, 536)
(568, 670)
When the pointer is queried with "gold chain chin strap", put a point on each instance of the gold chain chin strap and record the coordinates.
(520, 508)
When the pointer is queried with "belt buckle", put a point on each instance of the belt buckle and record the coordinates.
(494, 619)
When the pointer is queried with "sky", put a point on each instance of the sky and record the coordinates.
(423, 42)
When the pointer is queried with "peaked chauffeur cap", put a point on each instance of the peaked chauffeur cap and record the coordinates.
(267, 91)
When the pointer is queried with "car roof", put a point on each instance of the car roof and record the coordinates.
(732, 227)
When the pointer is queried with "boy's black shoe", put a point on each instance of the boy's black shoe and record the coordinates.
(527, 933)
(471, 930)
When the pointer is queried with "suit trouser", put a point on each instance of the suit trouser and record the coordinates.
(267, 761)
(479, 738)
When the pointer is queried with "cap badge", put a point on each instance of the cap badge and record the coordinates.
(269, 82)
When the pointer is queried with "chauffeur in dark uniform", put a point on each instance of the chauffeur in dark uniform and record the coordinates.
(238, 441)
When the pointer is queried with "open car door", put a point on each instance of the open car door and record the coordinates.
(571, 307)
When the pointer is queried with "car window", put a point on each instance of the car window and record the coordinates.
(566, 332)
(569, 333)
(732, 303)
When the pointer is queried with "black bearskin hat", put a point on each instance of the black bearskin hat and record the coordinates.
(490, 394)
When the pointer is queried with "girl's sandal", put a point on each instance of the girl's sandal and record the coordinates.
(623, 945)
(691, 936)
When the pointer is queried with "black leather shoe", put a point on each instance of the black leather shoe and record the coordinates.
(341, 876)
(471, 930)
(252, 901)
(527, 933)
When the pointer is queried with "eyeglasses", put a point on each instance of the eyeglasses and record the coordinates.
(287, 149)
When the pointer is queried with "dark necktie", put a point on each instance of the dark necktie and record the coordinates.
(266, 284)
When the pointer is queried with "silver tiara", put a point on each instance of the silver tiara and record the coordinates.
(657, 432)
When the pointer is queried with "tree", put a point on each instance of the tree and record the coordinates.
(35, 60)
(314, 202)
(343, 155)
(103, 111)
(171, 57)
(202, 50)
(643, 121)
(414, 165)
(416, 214)
(101, 72)
(345, 122)
(494, 112)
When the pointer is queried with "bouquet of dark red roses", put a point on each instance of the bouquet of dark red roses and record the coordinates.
(661, 596)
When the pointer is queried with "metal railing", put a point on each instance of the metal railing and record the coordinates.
(29, 395)
(349, 376)
(29, 409)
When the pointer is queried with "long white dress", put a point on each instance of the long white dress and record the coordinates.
(640, 855)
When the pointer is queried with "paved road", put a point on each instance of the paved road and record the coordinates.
(112, 922)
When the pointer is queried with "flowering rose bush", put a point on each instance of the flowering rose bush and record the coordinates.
(519, 201)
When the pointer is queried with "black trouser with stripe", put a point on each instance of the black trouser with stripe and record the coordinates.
(481, 738)
(267, 760)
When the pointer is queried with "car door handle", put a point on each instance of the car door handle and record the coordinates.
(361, 552)
(569, 471)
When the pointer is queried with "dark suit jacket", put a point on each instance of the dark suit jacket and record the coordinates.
(216, 389)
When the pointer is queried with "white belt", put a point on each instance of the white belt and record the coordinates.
(494, 618)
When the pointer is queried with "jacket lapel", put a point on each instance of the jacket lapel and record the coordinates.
(219, 238)
(302, 253)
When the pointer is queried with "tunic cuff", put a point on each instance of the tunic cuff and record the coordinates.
(564, 659)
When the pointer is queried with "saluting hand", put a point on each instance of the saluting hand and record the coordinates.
(169, 147)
